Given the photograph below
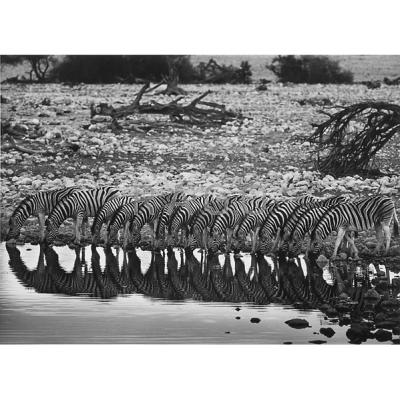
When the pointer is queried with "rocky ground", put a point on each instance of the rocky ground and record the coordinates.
(254, 157)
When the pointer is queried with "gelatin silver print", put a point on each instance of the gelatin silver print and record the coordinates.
(200, 199)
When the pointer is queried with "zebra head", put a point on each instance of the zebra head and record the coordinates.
(192, 242)
(284, 246)
(266, 244)
(294, 247)
(316, 245)
(51, 233)
(136, 238)
(14, 228)
(214, 243)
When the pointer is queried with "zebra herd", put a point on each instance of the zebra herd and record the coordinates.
(208, 222)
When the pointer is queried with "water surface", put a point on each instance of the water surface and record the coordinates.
(97, 295)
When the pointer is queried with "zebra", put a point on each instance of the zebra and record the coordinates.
(39, 204)
(122, 217)
(224, 225)
(149, 212)
(181, 215)
(228, 220)
(377, 211)
(201, 222)
(270, 230)
(251, 223)
(80, 205)
(105, 214)
(299, 225)
(285, 214)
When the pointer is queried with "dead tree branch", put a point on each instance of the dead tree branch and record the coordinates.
(197, 112)
(349, 139)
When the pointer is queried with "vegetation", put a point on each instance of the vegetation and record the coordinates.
(172, 69)
(309, 69)
(39, 64)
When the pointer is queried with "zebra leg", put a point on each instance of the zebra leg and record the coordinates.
(42, 227)
(340, 235)
(85, 223)
(126, 234)
(78, 226)
(350, 240)
(277, 241)
(229, 235)
(379, 237)
(254, 240)
(386, 231)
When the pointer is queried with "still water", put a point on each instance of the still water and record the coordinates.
(97, 295)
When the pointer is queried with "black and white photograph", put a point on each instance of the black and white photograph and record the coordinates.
(192, 197)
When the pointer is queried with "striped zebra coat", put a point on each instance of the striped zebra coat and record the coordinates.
(79, 205)
(122, 217)
(182, 214)
(149, 213)
(105, 214)
(40, 205)
(229, 219)
(373, 212)
(201, 223)
(284, 216)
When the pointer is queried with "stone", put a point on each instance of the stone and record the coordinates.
(328, 332)
(322, 261)
(25, 181)
(382, 335)
(298, 323)
(255, 320)
(317, 341)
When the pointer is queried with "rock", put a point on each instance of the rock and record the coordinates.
(317, 341)
(342, 256)
(287, 342)
(237, 317)
(358, 333)
(255, 320)
(46, 101)
(372, 295)
(382, 335)
(396, 330)
(101, 118)
(298, 323)
(237, 308)
(328, 332)
(386, 324)
(322, 261)
(394, 251)
(25, 181)
(331, 312)
(37, 184)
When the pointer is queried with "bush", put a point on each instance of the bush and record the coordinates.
(212, 72)
(116, 68)
(39, 64)
(309, 69)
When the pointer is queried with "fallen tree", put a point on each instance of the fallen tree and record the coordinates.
(199, 113)
(349, 139)
(9, 137)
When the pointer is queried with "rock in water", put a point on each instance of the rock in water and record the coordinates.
(255, 320)
(383, 336)
(298, 323)
(328, 332)
(322, 261)
(317, 341)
